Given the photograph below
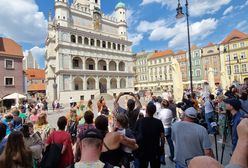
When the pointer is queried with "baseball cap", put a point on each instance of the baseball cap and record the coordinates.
(233, 102)
(191, 112)
(92, 133)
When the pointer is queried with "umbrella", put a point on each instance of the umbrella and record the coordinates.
(14, 96)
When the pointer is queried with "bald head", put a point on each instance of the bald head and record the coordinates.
(204, 162)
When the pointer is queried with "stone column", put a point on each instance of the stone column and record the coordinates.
(117, 65)
(108, 83)
(107, 64)
(96, 64)
(118, 82)
(97, 83)
(70, 83)
(84, 63)
(84, 83)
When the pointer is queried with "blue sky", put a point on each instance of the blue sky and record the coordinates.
(152, 23)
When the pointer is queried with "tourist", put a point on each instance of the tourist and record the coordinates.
(3, 137)
(82, 128)
(221, 115)
(105, 110)
(101, 123)
(62, 137)
(89, 106)
(121, 126)
(22, 113)
(131, 112)
(72, 123)
(17, 121)
(91, 147)
(100, 104)
(15, 153)
(150, 138)
(234, 105)
(71, 101)
(32, 141)
(244, 103)
(173, 108)
(190, 139)
(209, 112)
(166, 117)
(239, 157)
(157, 102)
(34, 116)
(42, 126)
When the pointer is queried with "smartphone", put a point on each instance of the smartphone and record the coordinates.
(127, 93)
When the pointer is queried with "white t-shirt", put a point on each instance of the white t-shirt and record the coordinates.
(166, 116)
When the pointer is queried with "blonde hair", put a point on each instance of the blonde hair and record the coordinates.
(42, 119)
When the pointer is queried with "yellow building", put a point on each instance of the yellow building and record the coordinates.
(233, 57)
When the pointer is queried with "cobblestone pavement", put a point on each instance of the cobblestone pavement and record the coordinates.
(53, 116)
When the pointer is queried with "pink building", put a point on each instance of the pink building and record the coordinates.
(11, 71)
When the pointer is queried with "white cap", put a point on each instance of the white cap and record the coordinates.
(191, 112)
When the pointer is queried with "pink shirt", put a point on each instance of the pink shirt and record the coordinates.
(34, 118)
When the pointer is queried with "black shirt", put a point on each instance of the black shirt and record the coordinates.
(148, 132)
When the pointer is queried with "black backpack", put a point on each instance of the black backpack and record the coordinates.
(72, 128)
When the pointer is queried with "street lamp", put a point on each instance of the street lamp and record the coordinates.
(180, 15)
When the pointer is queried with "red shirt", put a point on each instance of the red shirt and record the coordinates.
(63, 137)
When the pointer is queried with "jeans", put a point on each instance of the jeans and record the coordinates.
(178, 166)
(167, 132)
(208, 118)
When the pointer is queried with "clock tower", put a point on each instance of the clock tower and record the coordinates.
(97, 17)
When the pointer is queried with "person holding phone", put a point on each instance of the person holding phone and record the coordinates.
(131, 112)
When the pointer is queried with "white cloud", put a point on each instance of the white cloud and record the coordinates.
(228, 10)
(22, 21)
(136, 38)
(196, 7)
(177, 35)
(244, 5)
(38, 54)
(241, 24)
(145, 26)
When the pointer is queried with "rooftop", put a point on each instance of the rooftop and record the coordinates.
(234, 36)
(10, 47)
(180, 52)
(35, 74)
(158, 54)
(120, 5)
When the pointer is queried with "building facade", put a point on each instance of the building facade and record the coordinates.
(234, 52)
(87, 52)
(11, 73)
(29, 62)
(160, 70)
(197, 74)
(35, 81)
(141, 70)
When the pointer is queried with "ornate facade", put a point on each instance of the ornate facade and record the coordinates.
(87, 53)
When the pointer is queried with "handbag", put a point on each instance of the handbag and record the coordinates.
(51, 156)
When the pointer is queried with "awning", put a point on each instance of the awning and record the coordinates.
(14, 96)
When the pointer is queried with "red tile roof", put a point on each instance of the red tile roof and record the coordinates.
(194, 47)
(235, 35)
(35, 74)
(10, 48)
(37, 87)
(180, 52)
(161, 54)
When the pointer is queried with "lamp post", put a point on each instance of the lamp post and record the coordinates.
(180, 15)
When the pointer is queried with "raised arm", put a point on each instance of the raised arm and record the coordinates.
(136, 100)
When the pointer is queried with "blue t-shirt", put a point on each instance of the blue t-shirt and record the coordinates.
(235, 122)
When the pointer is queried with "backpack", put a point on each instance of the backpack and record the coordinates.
(72, 128)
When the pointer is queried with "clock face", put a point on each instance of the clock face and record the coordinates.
(96, 16)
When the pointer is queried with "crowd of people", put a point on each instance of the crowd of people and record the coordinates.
(130, 136)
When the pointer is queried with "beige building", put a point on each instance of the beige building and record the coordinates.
(87, 52)
(211, 59)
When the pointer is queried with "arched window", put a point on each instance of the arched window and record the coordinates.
(92, 42)
(114, 46)
(73, 38)
(103, 44)
(109, 45)
(119, 47)
(123, 47)
(96, 1)
(86, 41)
(98, 43)
(79, 39)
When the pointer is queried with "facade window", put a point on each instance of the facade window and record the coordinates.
(119, 47)
(109, 45)
(73, 38)
(235, 56)
(236, 68)
(242, 44)
(104, 44)
(75, 63)
(244, 69)
(198, 73)
(242, 55)
(9, 81)
(96, 1)
(79, 39)
(98, 43)
(169, 58)
(170, 76)
(227, 57)
(9, 64)
(235, 46)
(196, 54)
(86, 41)
(92, 42)
(114, 46)
(228, 69)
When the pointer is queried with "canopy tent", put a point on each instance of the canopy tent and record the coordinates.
(14, 96)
